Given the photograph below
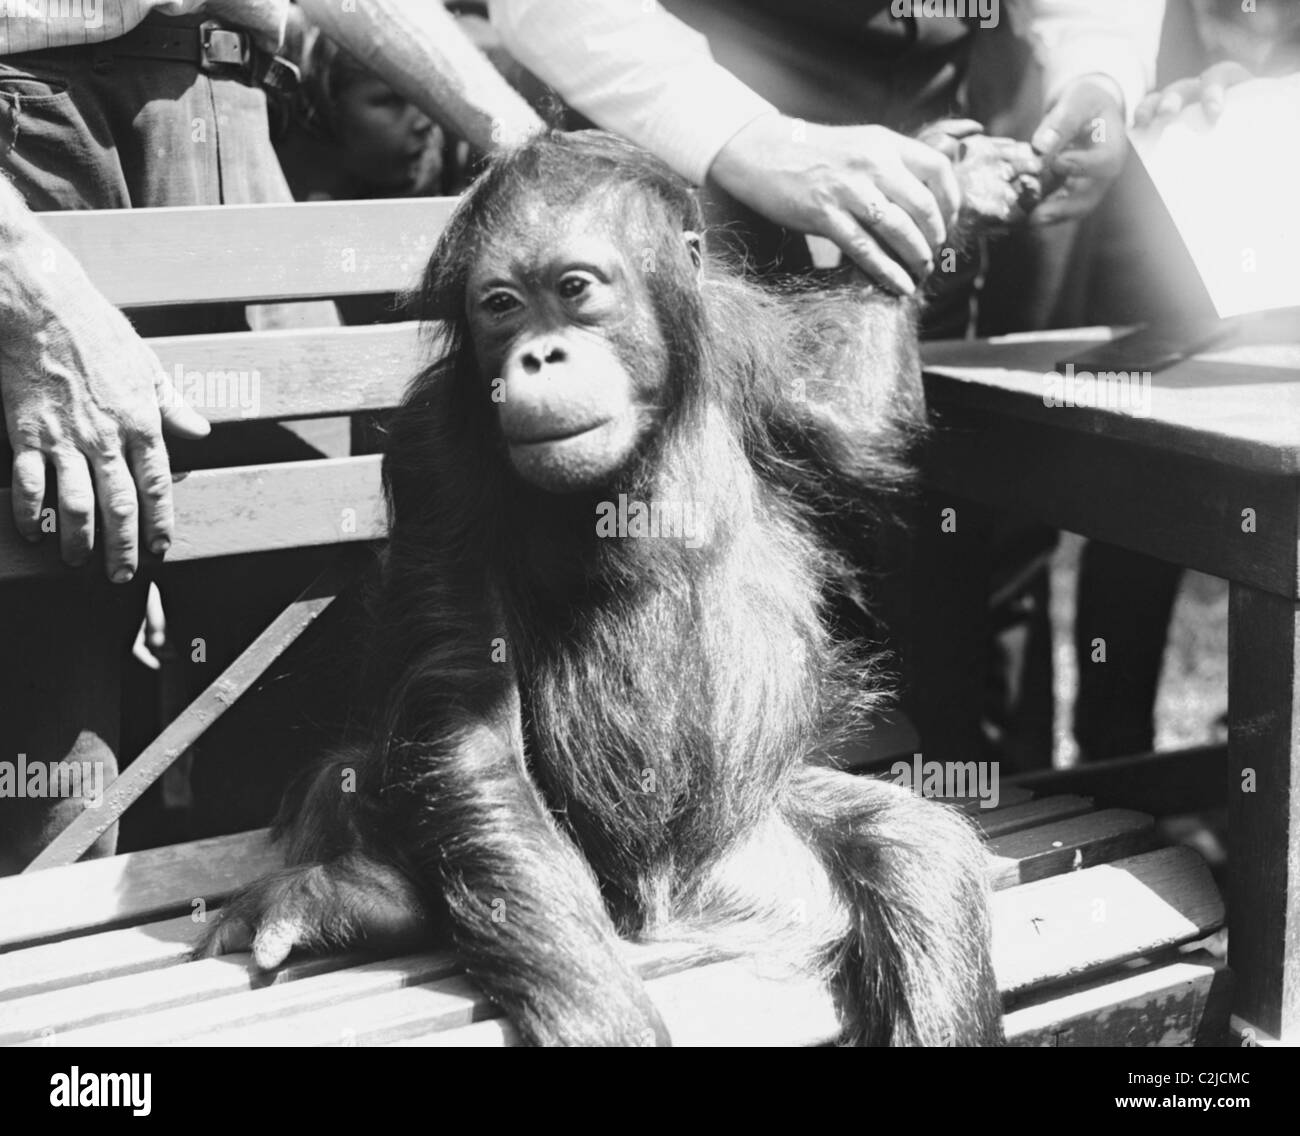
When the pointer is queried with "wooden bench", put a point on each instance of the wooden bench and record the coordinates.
(1092, 920)
(1089, 919)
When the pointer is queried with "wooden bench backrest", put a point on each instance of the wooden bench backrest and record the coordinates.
(255, 253)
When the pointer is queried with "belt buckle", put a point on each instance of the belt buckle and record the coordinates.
(222, 47)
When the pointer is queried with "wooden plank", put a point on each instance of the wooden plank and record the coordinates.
(1031, 814)
(251, 253)
(222, 1000)
(1064, 926)
(1058, 928)
(254, 375)
(91, 958)
(47, 1017)
(1167, 1005)
(1237, 406)
(375, 1020)
(1067, 845)
(1008, 797)
(1163, 784)
(1264, 809)
(189, 726)
(1180, 1004)
(1178, 508)
(256, 508)
(119, 890)
(725, 1003)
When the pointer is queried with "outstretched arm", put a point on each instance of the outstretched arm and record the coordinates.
(418, 50)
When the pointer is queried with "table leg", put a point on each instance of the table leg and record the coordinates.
(1264, 809)
(949, 642)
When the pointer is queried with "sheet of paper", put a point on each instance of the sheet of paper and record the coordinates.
(1233, 190)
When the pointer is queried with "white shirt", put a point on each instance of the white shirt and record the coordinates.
(634, 69)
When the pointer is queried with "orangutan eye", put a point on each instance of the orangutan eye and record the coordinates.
(498, 303)
(573, 286)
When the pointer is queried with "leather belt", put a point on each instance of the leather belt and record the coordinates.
(207, 44)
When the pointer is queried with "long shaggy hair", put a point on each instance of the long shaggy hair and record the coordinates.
(592, 737)
(645, 661)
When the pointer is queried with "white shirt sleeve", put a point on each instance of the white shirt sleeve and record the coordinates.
(633, 68)
(1072, 38)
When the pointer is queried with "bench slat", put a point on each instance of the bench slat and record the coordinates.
(1068, 925)
(117, 1001)
(247, 376)
(1008, 796)
(119, 890)
(1145, 903)
(1031, 814)
(1174, 1005)
(91, 958)
(189, 1002)
(724, 1004)
(390, 1016)
(254, 508)
(1067, 845)
(251, 253)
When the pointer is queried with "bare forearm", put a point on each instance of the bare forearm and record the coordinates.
(420, 52)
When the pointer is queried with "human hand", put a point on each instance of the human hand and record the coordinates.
(1210, 88)
(1081, 140)
(83, 393)
(885, 199)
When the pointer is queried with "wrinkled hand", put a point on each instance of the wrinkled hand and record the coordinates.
(885, 199)
(1210, 88)
(1081, 140)
(84, 394)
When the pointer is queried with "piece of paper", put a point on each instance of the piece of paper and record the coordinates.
(1233, 190)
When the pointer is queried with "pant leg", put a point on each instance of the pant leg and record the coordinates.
(1019, 704)
(97, 132)
(60, 639)
(1125, 600)
(60, 685)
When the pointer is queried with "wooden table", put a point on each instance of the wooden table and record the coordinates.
(1222, 437)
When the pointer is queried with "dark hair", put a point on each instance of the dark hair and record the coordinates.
(326, 71)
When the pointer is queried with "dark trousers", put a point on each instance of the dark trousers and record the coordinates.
(97, 132)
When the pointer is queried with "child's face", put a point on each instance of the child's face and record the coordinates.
(385, 139)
